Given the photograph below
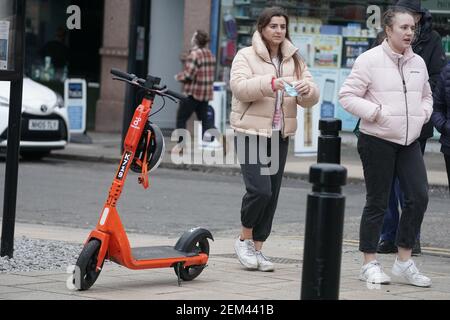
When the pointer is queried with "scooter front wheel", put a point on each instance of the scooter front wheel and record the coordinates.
(87, 264)
(192, 272)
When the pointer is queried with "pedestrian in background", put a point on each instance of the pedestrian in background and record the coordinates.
(427, 44)
(197, 78)
(441, 114)
(388, 89)
(268, 80)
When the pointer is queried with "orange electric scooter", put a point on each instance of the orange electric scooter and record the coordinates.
(143, 150)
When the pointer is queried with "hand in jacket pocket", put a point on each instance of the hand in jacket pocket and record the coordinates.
(381, 116)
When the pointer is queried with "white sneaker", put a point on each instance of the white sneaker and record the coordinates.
(246, 253)
(264, 264)
(372, 272)
(408, 271)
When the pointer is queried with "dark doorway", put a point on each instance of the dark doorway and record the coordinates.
(85, 44)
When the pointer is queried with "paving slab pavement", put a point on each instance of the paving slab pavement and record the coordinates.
(223, 279)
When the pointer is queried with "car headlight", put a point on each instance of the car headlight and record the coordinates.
(59, 101)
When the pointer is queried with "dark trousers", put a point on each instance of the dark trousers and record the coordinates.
(392, 215)
(262, 190)
(382, 160)
(187, 108)
(447, 164)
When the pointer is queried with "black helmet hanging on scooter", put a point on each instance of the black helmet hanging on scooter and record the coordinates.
(150, 149)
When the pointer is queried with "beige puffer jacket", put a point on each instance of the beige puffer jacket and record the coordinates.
(253, 102)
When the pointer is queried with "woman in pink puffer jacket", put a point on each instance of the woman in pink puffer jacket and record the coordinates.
(388, 89)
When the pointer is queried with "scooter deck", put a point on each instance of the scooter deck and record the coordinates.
(159, 252)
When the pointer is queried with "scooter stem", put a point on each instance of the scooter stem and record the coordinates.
(131, 142)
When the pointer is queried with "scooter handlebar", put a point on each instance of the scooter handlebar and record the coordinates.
(177, 95)
(141, 82)
(122, 74)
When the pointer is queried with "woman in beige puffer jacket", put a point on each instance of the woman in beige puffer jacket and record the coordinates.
(253, 102)
(264, 116)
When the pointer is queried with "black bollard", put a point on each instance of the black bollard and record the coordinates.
(323, 232)
(329, 143)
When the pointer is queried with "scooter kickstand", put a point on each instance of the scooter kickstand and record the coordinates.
(179, 266)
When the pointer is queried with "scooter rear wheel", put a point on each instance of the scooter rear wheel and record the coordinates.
(87, 263)
(192, 272)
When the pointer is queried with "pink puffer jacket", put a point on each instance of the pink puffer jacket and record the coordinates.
(390, 93)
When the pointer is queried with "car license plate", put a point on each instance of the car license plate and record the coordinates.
(43, 125)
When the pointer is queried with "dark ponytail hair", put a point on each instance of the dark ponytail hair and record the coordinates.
(201, 38)
(264, 19)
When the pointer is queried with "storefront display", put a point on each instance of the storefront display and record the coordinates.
(330, 35)
(305, 45)
(352, 48)
(307, 131)
(7, 36)
(327, 51)
(348, 120)
(4, 44)
(308, 119)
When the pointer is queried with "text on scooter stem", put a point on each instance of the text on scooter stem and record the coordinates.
(123, 166)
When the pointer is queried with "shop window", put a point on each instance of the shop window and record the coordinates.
(330, 35)
(47, 40)
(53, 51)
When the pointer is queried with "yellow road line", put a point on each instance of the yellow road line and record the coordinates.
(433, 250)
